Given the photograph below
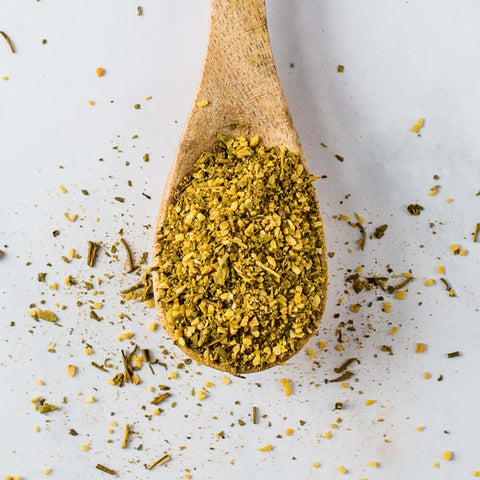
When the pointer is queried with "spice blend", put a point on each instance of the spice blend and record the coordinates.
(240, 268)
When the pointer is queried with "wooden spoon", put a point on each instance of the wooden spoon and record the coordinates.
(241, 85)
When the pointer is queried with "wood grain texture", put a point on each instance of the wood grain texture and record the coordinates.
(241, 84)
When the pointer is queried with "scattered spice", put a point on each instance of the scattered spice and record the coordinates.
(414, 209)
(126, 435)
(339, 158)
(160, 398)
(340, 68)
(105, 469)
(9, 42)
(420, 348)
(139, 11)
(344, 376)
(92, 253)
(418, 125)
(266, 448)
(380, 231)
(369, 402)
(202, 103)
(450, 290)
(345, 365)
(72, 370)
(40, 404)
(159, 462)
(130, 267)
(287, 387)
(252, 252)
(453, 354)
(447, 455)
(254, 415)
(476, 232)
(100, 72)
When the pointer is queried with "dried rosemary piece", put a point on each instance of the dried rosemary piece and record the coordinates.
(344, 376)
(126, 435)
(105, 469)
(92, 253)
(453, 354)
(476, 232)
(240, 257)
(345, 365)
(130, 267)
(9, 42)
(160, 461)
(414, 209)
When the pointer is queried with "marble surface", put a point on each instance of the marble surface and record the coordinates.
(403, 60)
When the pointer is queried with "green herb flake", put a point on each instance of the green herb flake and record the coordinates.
(146, 157)
(139, 11)
(340, 68)
(119, 199)
(40, 405)
(41, 277)
(339, 158)
(414, 209)
(160, 398)
(380, 231)
(46, 315)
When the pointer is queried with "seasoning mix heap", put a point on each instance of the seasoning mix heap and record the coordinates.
(240, 268)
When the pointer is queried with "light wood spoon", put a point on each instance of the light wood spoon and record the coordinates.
(240, 82)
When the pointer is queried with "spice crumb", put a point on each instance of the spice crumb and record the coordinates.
(429, 282)
(85, 448)
(287, 387)
(100, 72)
(400, 295)
(420, 348)
(316, 465)
(202, 103)
(369, 402)
(373, 464)
(152, 326)
(342, 469)
(125, 336)
(441, 269)
(418, 125)
(288, 431)
(420, 428)
(447, 455)
(266, 448)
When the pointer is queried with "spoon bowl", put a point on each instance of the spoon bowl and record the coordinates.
(239, 94)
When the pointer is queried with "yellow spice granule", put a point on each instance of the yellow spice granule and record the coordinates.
(433, 192)
(344, 384)
(90, 399)
(327, 434)
(426, 375)
(53, 286)
(85, 448)
(209, 384)
(201, 395)
(447, 455)
(418, 125)
(339, 348)
(342, 469)
(150, 303)
(71, 370)
(476, 473)
(355, 308)
(36, 428)
(88, 351)
(173, 375)
(226, 380)
(91, 102)
(47, 471)
(322, 345)
(400, 295)
(152, 326)
(373, 464)
(266, 448)
(454, 248)
(436, 465)
(449, 200)
(125, 336)
(441, 269)
(288, 431)
(316, 465)
(100, 72)
(41, 382)
(420, 428)
(394, 330)
(287, 388)
(112, 423)
(97, 305)
(62, 189)
(70, 218)
(369, 402)
(202, 103)
(387, 307)
(429, 282)
(311, 353)
(156, 412)
(462, 252)
(420, 348)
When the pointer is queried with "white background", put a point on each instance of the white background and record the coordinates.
(403, 60)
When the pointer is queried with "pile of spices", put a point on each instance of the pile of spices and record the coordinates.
(240, 267)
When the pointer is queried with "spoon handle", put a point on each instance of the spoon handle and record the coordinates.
(239, 78)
